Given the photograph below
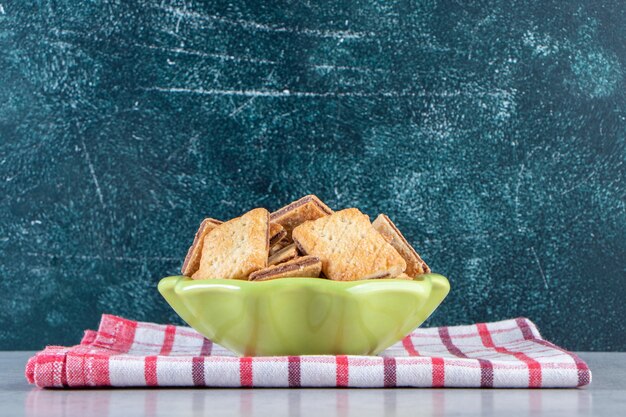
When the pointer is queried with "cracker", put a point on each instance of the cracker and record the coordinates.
(277, 247)
(404, 276)
(292, 215)
(349, 247)
(285, 254)
(304, 266)
(236, 248)
(192, 260)
(277, 233)
(414, 264)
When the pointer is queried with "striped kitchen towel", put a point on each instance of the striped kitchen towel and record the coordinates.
(126, 353)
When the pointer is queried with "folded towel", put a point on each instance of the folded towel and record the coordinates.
(126, 353)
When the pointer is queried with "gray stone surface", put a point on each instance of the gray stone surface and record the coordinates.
(493, 133)
(606, 396)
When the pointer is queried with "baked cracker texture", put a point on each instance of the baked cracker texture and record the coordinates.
(277, 233)
(285, 254)
(304, 266)
(304, 209)
(192, 260)
(414, 264)
(236, 248)
(349, 247)
(278, 247)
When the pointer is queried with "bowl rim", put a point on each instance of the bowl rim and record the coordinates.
(184, 282)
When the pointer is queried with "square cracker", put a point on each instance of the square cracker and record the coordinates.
(285, 254)
(192, 260)
(293, 214)
(349, 247)
(305, 266)
(414, 264)
(236, 248)
(277, 247)
(277, 233)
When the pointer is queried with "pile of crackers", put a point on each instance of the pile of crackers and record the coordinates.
(303, 239)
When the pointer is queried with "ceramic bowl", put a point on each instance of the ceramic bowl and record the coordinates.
(304, 316)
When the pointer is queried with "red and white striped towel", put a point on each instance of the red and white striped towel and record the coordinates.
(126, 353)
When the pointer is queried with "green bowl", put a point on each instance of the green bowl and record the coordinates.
(305, 316)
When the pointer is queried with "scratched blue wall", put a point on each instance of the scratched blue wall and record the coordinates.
(493, 133)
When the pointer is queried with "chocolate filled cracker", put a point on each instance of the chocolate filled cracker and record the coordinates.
(277, 233)
(192, 260)
(285, 254)
(304, 266)
(236, 248)
(307, 208)
(414, 264)
(349, 247)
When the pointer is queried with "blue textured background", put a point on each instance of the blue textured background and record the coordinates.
(492, 133)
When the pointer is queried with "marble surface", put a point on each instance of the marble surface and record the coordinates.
(493, 133)
(606, 396)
